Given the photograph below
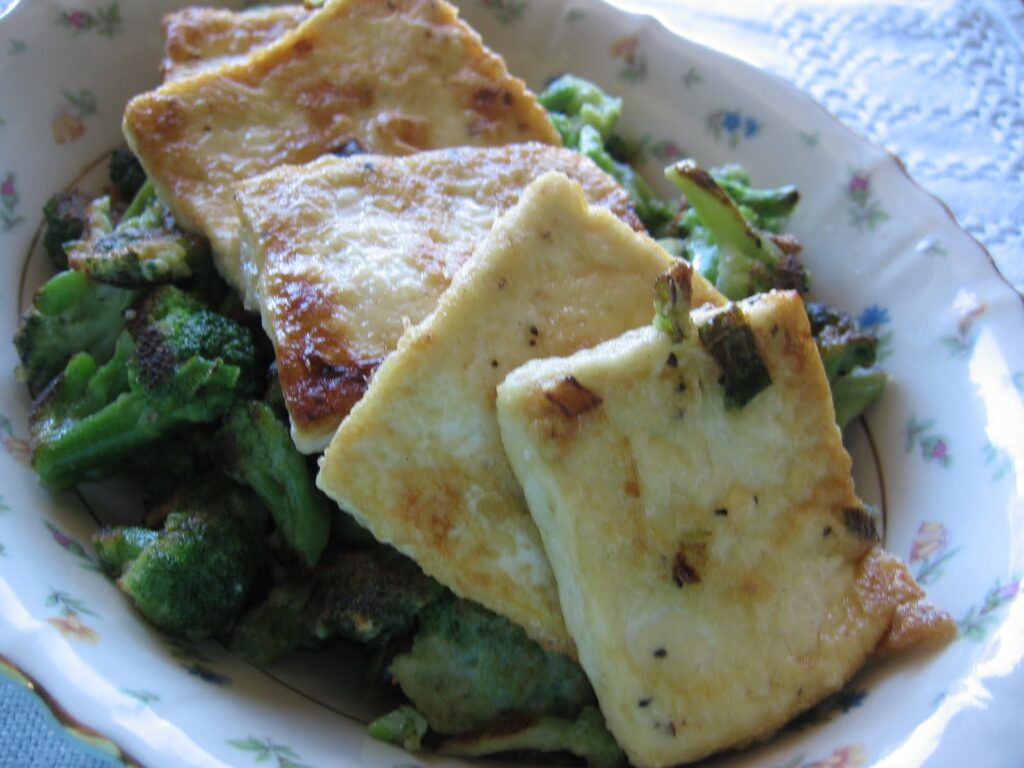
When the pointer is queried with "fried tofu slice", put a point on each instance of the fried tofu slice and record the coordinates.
(198, 38)
(341, 253)
(419, 460)
(715, 568)
(391, 77)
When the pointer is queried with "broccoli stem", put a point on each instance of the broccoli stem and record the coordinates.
(726, 247)
(853, 392)
(673, 292)
(262, 455)
(96, 446)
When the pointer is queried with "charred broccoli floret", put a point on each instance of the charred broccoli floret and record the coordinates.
(469, 668)
(145, 248)
(65, 216)
(69, 314)
(725, 244)
(584, 116)
(848, 354)
(126, 172)
(370, 596)
(258, 451)
(191, 578)
(177, 364)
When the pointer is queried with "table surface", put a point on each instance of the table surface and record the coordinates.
(936, 82)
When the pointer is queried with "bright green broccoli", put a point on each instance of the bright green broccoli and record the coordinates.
(725, 245)
(191, 578)
(848, 354)
(65, 217)
(469, 668)
(574, 102)
(126, 172)
(177, 364)
(145, 247)
(368, 596)
(584, 116)
(257, 450)
(764, 208)
(69, 314)
(587, 736)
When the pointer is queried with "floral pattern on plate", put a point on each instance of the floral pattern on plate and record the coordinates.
(104, 20)
(70, 623)
(878, 229)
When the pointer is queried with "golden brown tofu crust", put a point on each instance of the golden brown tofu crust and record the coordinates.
(715, 567)
(419, 461)
(325, 362)
(197, 38)
(397, 77)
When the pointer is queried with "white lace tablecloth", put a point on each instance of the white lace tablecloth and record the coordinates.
(939, 83)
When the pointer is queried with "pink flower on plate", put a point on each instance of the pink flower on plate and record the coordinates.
(850, 756)
(932, 540)
(858, 184)
(7, 188)
(79, 19)
(625, 47)
(71, 627)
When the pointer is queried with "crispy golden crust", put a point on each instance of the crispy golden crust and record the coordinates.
(397, 77)
(198, 38)
(344, 251)
(714, 566)
(419, 460)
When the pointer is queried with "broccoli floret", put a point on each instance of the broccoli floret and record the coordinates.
(69, 314)
(724, 244)
(145, 248)
(848, 354)
(584, 116)
(65, 216)
(257, 450)
(191, 578)
(275, 627)
(578, 102)
(469, 668)
(587, 736)
(371, 596)
(126, 172)
(177, 364)
(404, 727)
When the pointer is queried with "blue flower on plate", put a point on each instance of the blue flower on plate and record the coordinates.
(873, 316)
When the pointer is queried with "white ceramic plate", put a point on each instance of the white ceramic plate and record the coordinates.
(943, 453)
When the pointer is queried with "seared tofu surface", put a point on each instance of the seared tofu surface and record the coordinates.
(715, 568)
(339, 255)
(197, 38)
(419, 460)
(390, 77)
